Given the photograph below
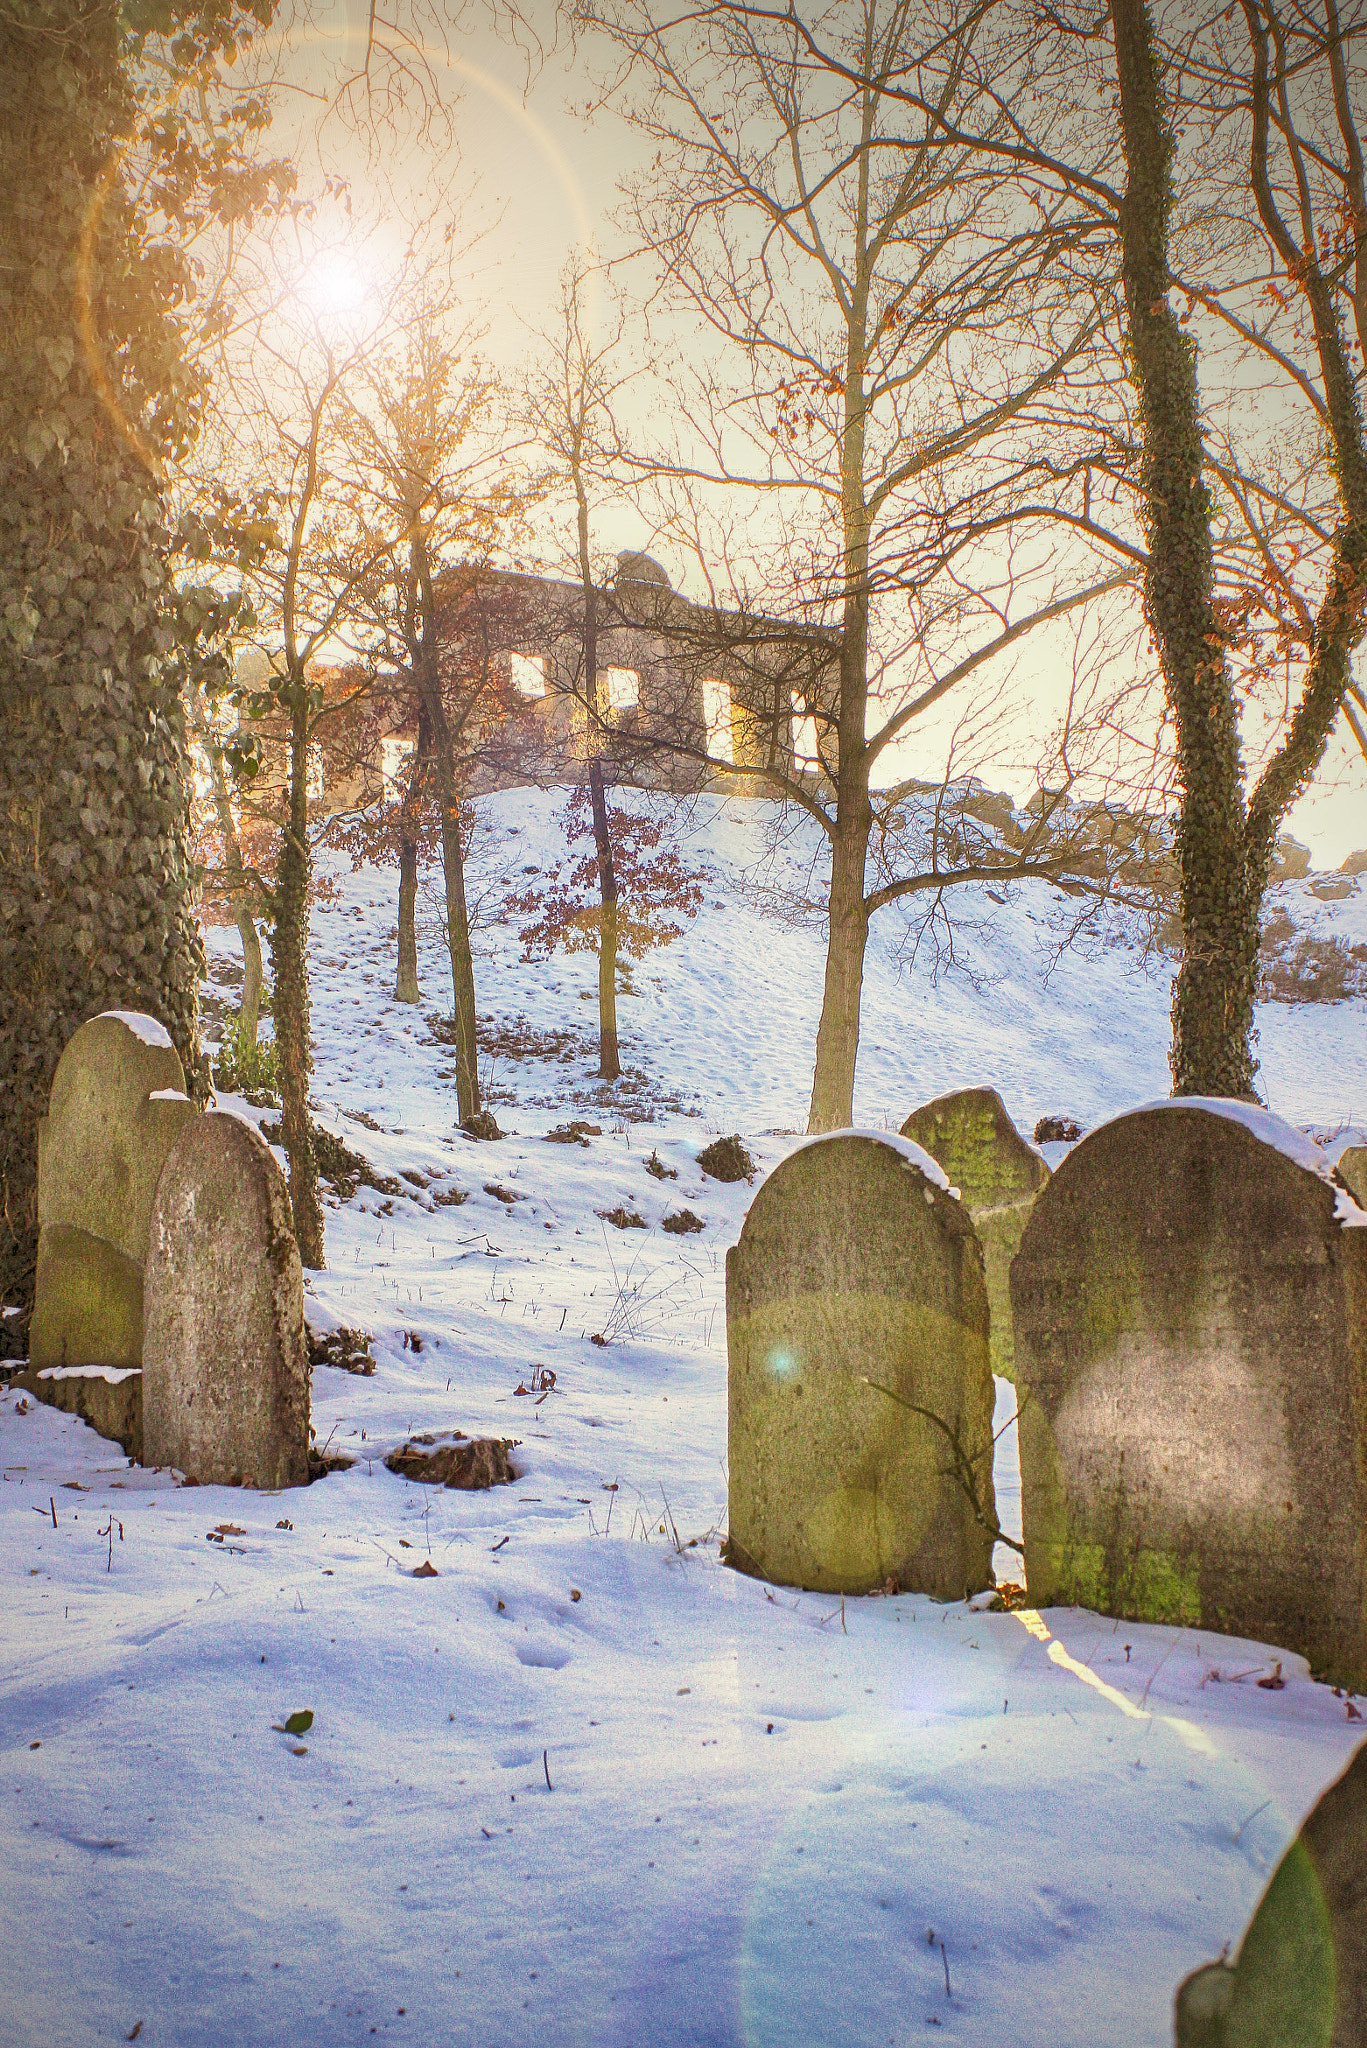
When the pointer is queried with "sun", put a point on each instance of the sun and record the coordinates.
(335, 280)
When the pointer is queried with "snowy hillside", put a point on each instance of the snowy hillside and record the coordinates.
(586, 1785)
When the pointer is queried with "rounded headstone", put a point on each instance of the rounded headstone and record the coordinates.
(225, 1357)
(1300, 1977)
(855, 1265)
(117, 1106)
(998, 1176)
(1191, 1325)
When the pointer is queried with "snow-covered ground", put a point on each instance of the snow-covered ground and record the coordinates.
(587, 1785)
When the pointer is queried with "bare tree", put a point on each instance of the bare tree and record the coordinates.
(898, 331)
(307, 558)
(569, 407)
(1248, 492)
(1305, 179)
(428, 477)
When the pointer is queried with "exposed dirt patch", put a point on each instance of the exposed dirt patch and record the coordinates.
(683, 1224)
(622, 1219)
(483, 1125)
(727, 1159)
(346, 1350)
(469, 1462)
(1057, 1130)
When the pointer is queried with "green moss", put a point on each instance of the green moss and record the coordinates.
(1141, 1583)
(1285, 1987)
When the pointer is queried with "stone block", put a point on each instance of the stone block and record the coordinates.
(1300, 1977)
(225, 1358)
(109, 1398)
(117, 1105)
(855, 1264)
(1191, 1325)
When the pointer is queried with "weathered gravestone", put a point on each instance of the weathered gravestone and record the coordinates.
(1351, 1169)
(117, 1106)
(225, 1358)
(855, 1264)
(1300, 1978)
(998, 1177)
(1191, 1321)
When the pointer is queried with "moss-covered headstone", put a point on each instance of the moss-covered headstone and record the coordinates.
(117, 1106)
(998, 1176)
(1191, 1323)
(854, 1299)
(1300, 1977)
(225, 1357)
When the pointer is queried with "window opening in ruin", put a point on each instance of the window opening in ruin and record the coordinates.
(716, 711)
(806, 759)
(395, 754)
(529, 675)
(622, 687)
(313, 772)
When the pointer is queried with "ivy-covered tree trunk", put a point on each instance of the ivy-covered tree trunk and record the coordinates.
(289, 967)
(1224, 842)
(96, 876)
(1213, 997)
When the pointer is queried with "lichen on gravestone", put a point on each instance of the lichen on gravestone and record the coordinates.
(225, 1366)
(117, 1106)
(1190, 1335)
(859, 1394)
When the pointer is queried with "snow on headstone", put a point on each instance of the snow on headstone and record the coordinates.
(117, 1107)
(225, 1357)
(1191, 1325)
(856, 1265)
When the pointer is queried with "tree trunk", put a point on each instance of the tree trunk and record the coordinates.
(235, 875)
(837, 1038)
(1213, 997)
(458, 939)
(427, 676)
(289, 962)
(609, 1067)
(406, 988)
(97, 900)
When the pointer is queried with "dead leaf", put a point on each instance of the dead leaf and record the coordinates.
(1276, 1683)
(426, 1570)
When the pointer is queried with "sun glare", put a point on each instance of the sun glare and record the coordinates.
(334, 281)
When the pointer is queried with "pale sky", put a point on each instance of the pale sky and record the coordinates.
(541, 181)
